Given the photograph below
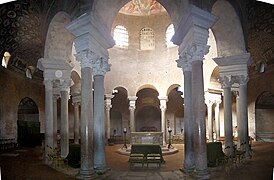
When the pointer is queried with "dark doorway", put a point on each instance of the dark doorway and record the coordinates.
(28, 125)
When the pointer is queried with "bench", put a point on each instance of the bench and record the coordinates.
(145, 154)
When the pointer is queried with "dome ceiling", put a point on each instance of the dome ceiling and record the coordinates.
(142, 8)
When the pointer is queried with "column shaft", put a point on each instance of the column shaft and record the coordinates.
(228, 121)
(55, 121)
(86, 169)
(99, 126)
(132, 119)
(76, 123)
(244, 117)
(198, 106)
(189, 161)
(48, 116)
(163, 124)
(64, 124)
(108, 121)
(209, 122)
(217, 121)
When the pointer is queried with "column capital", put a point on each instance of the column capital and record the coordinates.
(132, 102)
(183, 63)
(65, 85)
(108, 98)
(193, 51)
(163, 101)
(48, 84)
(226, 81)
(241, 79)
(86, 58)
(76, 98)
(100, 66)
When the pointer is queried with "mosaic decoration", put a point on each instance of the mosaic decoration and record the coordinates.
(142, 8)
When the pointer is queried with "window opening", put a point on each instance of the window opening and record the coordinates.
(120, 35)
(147, 39)
(169, 34)
(5, 59)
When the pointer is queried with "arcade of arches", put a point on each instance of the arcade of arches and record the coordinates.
(93, 69)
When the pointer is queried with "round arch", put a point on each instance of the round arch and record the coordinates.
(28, 125)
(59, 41)
(227, 30)
(264, 113)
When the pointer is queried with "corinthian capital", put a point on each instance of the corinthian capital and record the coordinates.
(86, 58)
(196, 52)
(183, 63)
(241, 79)
(100, 66)
(226, 81)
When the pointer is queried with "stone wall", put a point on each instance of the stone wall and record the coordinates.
(15, 87)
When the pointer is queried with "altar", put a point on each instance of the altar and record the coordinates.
(147, 138)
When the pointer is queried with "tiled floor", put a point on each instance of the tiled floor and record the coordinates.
(28, 164)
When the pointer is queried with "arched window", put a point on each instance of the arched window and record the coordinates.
(120, 35)
(169, 34)
(6, 59)
(147, 39)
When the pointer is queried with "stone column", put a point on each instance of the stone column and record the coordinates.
(239, 141)
(198, 105)
(132, 102)
(189, 160)
(56, 96)
(163, 101)
(86, 127)
(48, 116)
(100, 67)
(108, 106)
(226, 82)
(243, 129)
(192, 36)
(217, 120)
(209, 104)
(64, 119)
(76, 100)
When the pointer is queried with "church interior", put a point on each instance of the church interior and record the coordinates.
(99, 74)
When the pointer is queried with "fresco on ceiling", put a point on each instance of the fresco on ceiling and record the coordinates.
(142, 7)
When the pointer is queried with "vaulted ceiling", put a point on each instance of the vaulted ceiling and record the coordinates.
(24, 24)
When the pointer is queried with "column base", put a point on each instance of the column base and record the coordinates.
(101, 170)
(86, 174)
(202, 174)
(187, 171)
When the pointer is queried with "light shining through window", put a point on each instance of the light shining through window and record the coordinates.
(120, 35)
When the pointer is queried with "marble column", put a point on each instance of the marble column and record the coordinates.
(64, 119)
(56, 96)
(86, 170)
(100, 67)
(108, 106)
(76, 100)
(189, 160)
(163, 101)
(48, 116)
(217, 120)
(198, 105)
(243, 129)
(226, 82)
(239, 141)
(209, 104)
(132, 102)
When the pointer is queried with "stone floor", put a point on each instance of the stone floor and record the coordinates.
(27, 164)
